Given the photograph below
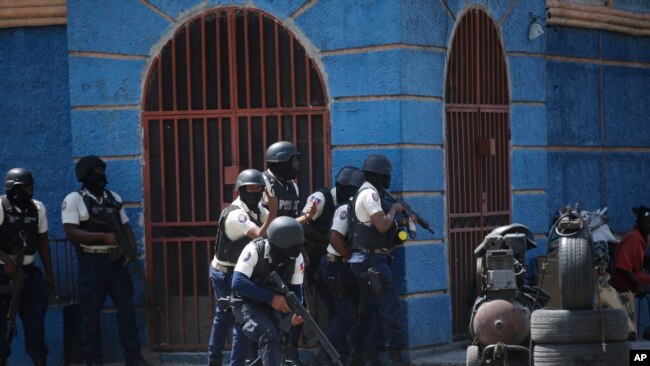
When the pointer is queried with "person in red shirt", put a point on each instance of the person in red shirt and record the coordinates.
(628, 273)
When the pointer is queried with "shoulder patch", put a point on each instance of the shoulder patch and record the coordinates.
(343, 214)
(247, 257)
(63, 205)
(242, 218)
(302, 267)
(315, 199)
(375, 197)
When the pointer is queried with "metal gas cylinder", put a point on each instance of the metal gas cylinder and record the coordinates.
(501, 321)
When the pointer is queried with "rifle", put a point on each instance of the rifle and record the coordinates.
(277, 285)
(126, 250)
(16, 287)
(409, 211)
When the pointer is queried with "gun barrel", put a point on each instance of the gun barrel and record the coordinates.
(411, 212)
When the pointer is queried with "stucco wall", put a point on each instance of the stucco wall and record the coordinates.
(597, 113)
(35, 113)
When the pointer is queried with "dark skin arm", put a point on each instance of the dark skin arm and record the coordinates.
(340, 244)
(77, 235)
(383, 222)
(640, 288)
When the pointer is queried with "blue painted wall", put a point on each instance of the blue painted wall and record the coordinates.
(35, 113)
(596, 115)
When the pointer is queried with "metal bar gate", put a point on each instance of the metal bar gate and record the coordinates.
(478, 152)
(226, 86)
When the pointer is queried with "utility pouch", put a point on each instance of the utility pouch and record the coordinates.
(236, 305)
(374, 280)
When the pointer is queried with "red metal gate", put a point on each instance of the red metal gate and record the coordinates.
(478, 151)
(226, 86)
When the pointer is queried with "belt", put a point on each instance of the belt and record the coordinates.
(225, 269)
(97, 251)
(336, 259)
(376, 251)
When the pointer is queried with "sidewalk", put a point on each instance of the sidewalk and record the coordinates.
(452, 354)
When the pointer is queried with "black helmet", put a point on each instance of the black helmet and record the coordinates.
(249, 177)
(281, 151)
(86, 164)
(285, 232)
(350, 176)
(17, 176)
(378, 164)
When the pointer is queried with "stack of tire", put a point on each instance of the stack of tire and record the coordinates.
(579, 333)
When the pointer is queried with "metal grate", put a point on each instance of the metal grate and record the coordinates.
(228, 84)
(478, 151)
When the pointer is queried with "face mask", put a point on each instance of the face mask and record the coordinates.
(251, 199)
(19, 196)
(379, 180)
(95, 182)
(284, 170)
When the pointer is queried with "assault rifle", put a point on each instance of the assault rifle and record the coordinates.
(16, 287)
(126, 250)
(276, 284)
(408, 210)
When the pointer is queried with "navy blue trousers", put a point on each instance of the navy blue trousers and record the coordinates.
(383, 319)
(98, 277)
(33, 305)
(222, 323)
(343, 330)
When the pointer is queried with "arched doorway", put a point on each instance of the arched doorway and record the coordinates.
(227, 85)
(477, 114)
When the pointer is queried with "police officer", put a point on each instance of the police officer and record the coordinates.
(92, 216)
(23, 228)
(342, 294)
(283, 161)
(245, 219)
(373, 230)
(256, 308)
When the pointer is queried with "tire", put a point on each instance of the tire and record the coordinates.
(576, 270)
(577, 326)
(473, 356)
(617, 353)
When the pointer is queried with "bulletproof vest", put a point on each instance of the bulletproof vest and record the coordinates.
(103, 217)
(229, 250)
(264, 267)
(324, 222)
(287, 195)
(368, 237)
(15, 222)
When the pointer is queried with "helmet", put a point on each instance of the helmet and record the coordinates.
(86, 164)
(378, 164)
(285, 232)
(18, 176)
(249, 177)
(350, 176)
(281, 151)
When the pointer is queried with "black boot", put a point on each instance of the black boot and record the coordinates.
(371, 357)
(395, 357)
(355, 358)
(291, 356)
